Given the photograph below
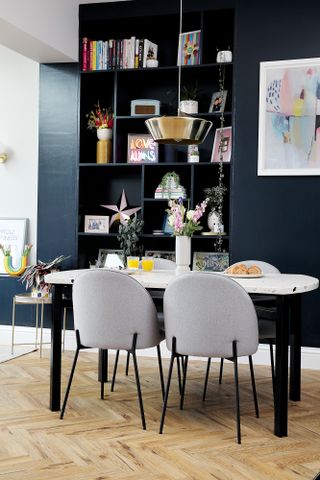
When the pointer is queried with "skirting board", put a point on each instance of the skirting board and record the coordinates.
(310, 357)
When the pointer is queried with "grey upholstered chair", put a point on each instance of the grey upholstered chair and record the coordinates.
(209, 315)
(113, 311)
(266, 311)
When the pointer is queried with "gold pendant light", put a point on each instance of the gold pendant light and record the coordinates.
(180, 129)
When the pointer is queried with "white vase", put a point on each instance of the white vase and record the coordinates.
(183, 253)
(104, 133)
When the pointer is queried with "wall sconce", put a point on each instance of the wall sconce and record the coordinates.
(3, 154)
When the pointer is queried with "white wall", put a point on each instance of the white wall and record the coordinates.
(19, 104)
(44, 30)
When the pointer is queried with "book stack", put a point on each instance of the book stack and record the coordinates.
(117, 54)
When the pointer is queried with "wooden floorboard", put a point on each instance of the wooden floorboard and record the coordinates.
(100, 440)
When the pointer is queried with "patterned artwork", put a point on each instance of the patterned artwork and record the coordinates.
(289, 118)
(210, 261)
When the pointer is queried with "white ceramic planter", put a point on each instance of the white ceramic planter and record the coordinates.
(189, 106)
(104, 133)
(214, 222)
(183, 253)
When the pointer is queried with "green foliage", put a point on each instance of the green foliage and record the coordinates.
(128, 237)
(214, 195)
(190, 92)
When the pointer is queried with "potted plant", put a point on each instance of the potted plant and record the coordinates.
(189, 95)
(214, 198)
(34, 276)
(101, 120)
(128, 237)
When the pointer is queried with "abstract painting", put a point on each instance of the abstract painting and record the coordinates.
(289, 117)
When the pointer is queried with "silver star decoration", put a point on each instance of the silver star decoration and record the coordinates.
(123, 214)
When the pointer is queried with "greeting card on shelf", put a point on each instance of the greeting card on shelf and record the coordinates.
(218, 101)
(142, 149)
(189, 48)
(222, 145)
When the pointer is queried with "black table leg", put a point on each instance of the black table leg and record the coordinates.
(295, 347)
(281, 380)
(103, 365)
(55, 360)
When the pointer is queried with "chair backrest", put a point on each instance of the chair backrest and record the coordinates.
(265, 267)
(110, 307)
(206, 312)
(164, 264)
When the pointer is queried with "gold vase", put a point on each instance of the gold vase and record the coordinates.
(104, 151)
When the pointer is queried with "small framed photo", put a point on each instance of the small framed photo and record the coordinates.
(142, 148)
(210, 261)
(96, 224)
(222, 145)
(102, 256)
(166, 228)
(166, 254)
(218, 101)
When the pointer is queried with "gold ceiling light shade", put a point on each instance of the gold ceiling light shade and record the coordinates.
(180, 129)
(3, 154)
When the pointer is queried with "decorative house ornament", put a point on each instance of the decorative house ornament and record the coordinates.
(144, 106)
(122, 212)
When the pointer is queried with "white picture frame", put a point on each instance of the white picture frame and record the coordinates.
(13, 234)
(96, 224)
(222, 144)
(289, 118)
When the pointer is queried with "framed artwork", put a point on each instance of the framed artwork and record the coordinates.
(96, 224)
(103, 253)
(142, 148)
(13, 234)
(289, 117)
(222, 145)
(166, 228)
(167, 254)
(189, 48)
(218, 101)
(210, 261)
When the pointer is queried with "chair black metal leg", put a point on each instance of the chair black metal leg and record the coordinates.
(254, 390)
(69, 383)
(136, 371)
(160, 371)
(272, 368)
(114, 371)
(185, 367)
(179, 375)
(221, 371)
(236, 384)
(103, 365)
(127, 364)
(206, 380)
(164, 408)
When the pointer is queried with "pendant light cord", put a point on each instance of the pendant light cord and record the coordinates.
(180, 56)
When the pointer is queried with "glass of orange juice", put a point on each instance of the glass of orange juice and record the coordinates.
(147, 264)
(133, 263)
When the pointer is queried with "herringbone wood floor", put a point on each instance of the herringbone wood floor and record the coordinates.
(104, 439)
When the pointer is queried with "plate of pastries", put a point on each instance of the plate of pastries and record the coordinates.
(243, 271)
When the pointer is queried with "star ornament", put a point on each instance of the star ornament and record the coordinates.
(122, 212)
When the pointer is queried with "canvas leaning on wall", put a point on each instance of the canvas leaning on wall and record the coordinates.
(289, 117)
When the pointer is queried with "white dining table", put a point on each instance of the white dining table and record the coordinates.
(287, 288)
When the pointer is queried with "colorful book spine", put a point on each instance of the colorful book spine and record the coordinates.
(85, 54)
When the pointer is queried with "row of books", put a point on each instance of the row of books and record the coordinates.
(109, 54)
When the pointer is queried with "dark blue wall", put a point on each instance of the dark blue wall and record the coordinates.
(273, 218)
